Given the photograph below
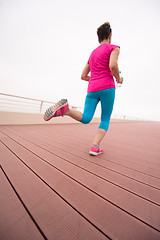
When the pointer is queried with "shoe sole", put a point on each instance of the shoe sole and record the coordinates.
(53, 109)
(95, 153)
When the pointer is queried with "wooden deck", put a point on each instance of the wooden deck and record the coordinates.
(50, 188)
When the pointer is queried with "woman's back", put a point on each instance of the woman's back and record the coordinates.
(101, 75)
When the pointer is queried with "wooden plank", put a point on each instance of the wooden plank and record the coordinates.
(145, 191)
(109, 162)
(55, 217)
(88, 178)
(102, 212)
(131, 153)
(15, 223)
(119, 138)
(2, 135)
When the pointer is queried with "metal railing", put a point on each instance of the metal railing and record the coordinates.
(13, 103)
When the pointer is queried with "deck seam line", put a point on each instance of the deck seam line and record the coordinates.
(85, 152)
(118, 163)
(54, 192)
(83, 186)
(97, 164)
(25, 207)
(88, 172)
(112, 155)
(135, 170)
(117, 157)
(157, 204)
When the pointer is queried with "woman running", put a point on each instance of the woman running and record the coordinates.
(103, 65)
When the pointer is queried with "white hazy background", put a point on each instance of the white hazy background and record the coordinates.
(45, 44)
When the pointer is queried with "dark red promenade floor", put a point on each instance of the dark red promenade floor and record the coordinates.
(50, 188)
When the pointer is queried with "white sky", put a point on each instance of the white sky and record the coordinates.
(45, 44)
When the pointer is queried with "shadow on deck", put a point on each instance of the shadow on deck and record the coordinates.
(50, 188)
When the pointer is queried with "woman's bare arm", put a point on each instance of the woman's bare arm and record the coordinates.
(84, 75)
(113, 64)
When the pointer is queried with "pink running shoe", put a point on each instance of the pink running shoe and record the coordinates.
(59, 109)
(94, 151)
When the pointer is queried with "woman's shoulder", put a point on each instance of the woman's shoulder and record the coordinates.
(113, 46)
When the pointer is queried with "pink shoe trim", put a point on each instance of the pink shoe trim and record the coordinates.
(59, 109)
(95, 151)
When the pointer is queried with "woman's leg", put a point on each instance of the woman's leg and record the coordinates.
(74, 114)
(89, 109)
(99, 136)
(107, 101)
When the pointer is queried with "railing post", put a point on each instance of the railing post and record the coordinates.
(41, 106)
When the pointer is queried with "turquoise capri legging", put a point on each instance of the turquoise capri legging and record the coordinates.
(106, 97)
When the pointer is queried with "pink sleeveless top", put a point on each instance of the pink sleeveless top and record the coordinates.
(101, 75)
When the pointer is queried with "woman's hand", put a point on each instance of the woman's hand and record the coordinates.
(84, 75)
(120, 80)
